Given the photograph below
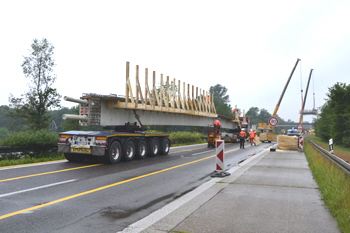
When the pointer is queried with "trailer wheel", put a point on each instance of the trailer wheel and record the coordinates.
(153, 147)
(164, 146)
(74, 157)
(114, 153)
(141, 149)
(129, 150)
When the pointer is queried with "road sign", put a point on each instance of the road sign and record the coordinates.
(273, 121)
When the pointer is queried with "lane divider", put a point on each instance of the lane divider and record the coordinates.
(69, 169)
(52, 172)
(99, 189)
(36, 188)
(103, 187)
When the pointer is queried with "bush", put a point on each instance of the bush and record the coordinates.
(3, 133)
(346, 141)
(31, 138)
(185, 137)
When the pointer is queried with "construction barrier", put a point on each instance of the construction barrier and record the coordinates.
(301, 142)
(220, 159)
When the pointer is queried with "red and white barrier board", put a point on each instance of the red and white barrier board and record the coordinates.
(220, 155)
(220, 159)
(301, 142)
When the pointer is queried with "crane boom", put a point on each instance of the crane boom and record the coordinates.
(284, 90)
(304, 100)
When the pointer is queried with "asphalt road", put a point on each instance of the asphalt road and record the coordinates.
(96, 197)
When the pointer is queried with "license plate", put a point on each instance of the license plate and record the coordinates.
(81, 150)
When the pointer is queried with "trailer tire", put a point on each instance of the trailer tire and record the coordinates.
(74, 157)
(129, 150)
(141, 149)
(153, 147)
(114, 153)
(164, 146)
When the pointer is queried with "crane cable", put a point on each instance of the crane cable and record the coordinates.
(313, 87)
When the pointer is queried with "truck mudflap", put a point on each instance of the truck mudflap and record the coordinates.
(88, 150)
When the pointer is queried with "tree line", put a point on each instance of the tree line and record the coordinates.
(40, 108)
(334, 118)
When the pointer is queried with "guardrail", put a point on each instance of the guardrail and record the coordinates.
(345, 166)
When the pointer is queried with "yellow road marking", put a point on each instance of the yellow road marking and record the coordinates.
(76, 168)
(103, 187)
(45, 173)
(69, 169)
(99, 189)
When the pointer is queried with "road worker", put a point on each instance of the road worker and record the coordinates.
(217, 125)
(207, 98)
(242, 136)
(252, 135)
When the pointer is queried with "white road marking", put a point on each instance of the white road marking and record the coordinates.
(36, 188)
(201, 152)
(151, 219)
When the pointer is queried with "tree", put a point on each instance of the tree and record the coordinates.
(253, 114)
(221, 100)
(4, 132)
(32, 107)
(8, 122)
(334, 119)
(68, 124)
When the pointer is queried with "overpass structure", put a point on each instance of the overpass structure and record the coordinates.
(294, 125)
(167, 105)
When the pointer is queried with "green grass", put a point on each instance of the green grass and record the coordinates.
(29, 160)
(340, 151)
(333, 183)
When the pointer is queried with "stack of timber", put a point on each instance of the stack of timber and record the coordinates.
(270, 137)
(287, 142)
(257, 140)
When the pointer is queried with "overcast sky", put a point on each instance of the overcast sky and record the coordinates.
(250, 47)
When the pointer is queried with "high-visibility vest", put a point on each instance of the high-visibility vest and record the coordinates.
(252, 134)
(217, 122)
(242, 134)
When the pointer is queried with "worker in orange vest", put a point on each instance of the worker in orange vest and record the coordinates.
(207, 98)
(252, 135)
(217, 125)
(242, 136)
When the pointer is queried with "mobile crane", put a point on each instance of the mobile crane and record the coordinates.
(126, 138)
(303, 111)
(267, 135)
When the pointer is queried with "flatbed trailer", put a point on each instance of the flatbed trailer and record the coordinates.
(112, 146)
(121, 115)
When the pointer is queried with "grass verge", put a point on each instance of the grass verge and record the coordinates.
(341, 152)
(29, 160)
(333, 183)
